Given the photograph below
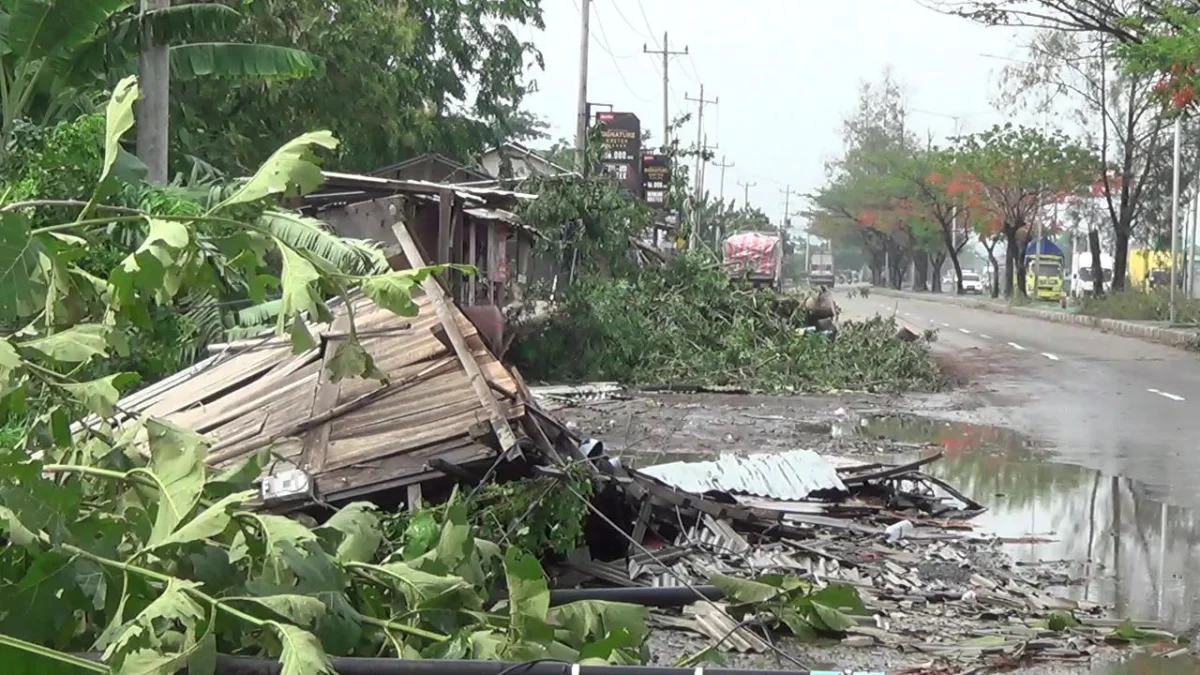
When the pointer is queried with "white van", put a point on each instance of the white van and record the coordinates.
(1082, 281)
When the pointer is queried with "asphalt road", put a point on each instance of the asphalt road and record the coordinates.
(1113, 404)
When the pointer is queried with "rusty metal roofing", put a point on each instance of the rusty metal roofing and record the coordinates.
(794, 475)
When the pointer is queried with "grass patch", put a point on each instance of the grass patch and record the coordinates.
(1135, 305)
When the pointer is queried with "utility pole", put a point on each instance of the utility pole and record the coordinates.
(700, 129)
(694, 239)
(746, 193)
(153, 107)
(704, 150)
(581, 123)
(666, 54)
(1175, 216)
(723, 166)
(787, 206)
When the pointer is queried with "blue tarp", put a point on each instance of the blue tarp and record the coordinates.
(1047, 248)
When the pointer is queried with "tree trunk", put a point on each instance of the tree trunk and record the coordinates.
(1120, 259)
(995, 274)
(920, 271)
(936, 262)
(1097, 268)
(1010, 261)
(153, 107)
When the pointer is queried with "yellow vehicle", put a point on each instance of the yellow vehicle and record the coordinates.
(1044, 270)
(1143, 262)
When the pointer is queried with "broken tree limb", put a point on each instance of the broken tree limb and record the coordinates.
(437, 295)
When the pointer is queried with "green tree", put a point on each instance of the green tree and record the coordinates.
(56, 56)
(398, 79)
(1018, 171)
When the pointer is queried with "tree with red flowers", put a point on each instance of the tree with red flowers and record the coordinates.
(1121, 113)
(1019, 170)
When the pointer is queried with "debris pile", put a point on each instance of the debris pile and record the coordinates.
(900, 538)
(688, 323)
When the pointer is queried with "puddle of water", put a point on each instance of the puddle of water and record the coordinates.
(1124, 548)
(1144, 663)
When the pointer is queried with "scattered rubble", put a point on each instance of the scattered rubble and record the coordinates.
(895, 541)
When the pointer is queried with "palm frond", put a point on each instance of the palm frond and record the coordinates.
(353, 256)
(203, 311)
(52, 29)
(257, 316)
(190, 22)
(241, 61)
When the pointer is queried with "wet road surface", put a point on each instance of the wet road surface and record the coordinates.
(1119, 406)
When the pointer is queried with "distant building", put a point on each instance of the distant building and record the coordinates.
(521, 163)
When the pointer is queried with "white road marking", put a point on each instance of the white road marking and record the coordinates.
(1164, 394)
(985, 336)
(945, 325)
(1016, 346)
(964, 331)
(1050, 356)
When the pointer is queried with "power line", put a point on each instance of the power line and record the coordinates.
(695, 76)
(649, 37)
(642, 9)
(613, 57)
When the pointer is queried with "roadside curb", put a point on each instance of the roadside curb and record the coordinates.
(1171, 337)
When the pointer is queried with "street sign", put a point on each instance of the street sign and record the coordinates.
(656, 179)
(621, 134)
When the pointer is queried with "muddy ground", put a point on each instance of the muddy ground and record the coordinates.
(1010, 473)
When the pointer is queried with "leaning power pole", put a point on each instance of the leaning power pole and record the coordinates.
(723, 165)
(581, 122)
(666, 54)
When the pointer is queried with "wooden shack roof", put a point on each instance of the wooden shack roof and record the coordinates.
(352, 437)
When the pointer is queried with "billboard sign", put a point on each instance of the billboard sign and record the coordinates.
(621, 135)
(656, 180)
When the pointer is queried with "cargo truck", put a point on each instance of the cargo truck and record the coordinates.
(756, 257)
(1044, 270)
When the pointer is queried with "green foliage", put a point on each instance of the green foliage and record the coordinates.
(539, 515)
(588, 216)
(1138, 305)
(688, 323)
(793, 602)
(150, 564)
(59, 53)
(394, 82)
(122, 541)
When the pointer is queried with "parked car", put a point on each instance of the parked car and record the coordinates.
(972, 282)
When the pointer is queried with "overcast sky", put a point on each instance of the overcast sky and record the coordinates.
(786, 72)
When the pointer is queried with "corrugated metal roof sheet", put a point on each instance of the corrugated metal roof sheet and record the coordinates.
(788, 475)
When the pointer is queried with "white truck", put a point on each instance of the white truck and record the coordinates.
(820, 269)
(1082, 279)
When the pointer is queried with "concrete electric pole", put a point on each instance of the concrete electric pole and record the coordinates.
(700, 130)
(666, 54)
(581, 123)
(695, 237)
(787, 205)
(153, 107)
(746, 193)
(723, 165)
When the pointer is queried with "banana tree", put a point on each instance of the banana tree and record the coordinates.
(56, 56)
